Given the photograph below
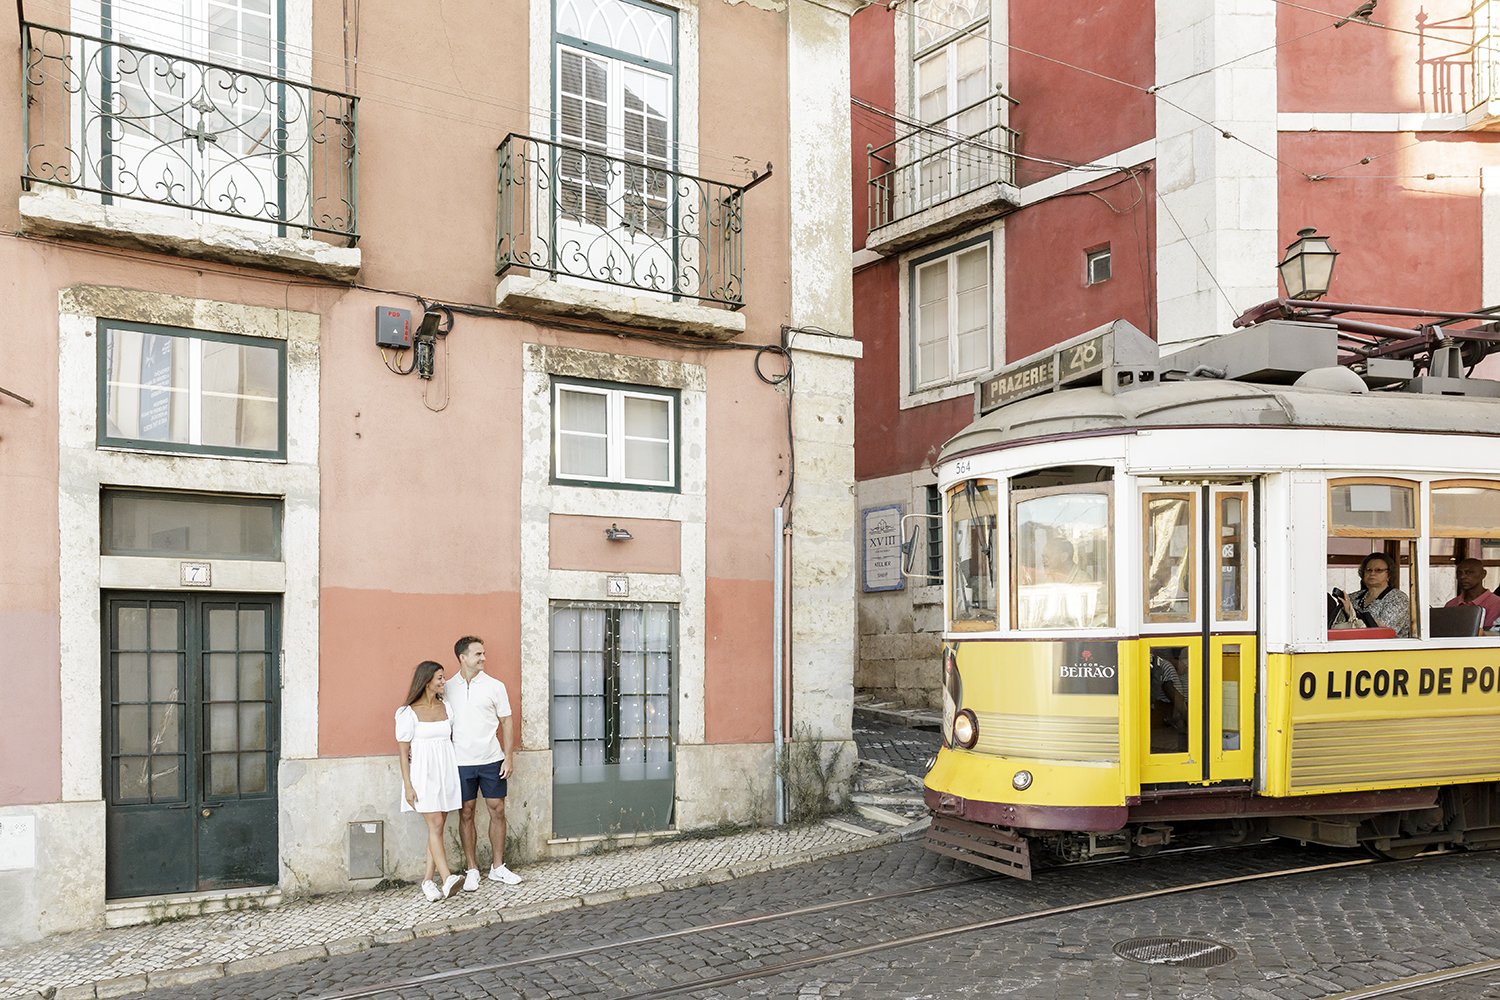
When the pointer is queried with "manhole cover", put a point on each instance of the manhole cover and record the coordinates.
(1197, 953)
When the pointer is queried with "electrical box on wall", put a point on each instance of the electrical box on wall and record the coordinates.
(392, 327)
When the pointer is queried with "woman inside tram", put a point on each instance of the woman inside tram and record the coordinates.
(1378, 603)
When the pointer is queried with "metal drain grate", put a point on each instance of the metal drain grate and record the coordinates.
(1196, 953)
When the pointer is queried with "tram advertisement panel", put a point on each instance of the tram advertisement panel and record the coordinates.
(1401, 683)
(1374, 718)
(1085, 668)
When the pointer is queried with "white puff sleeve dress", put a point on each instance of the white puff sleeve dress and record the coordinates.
(434, 768)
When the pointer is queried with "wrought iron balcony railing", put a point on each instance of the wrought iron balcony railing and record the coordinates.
(582, 213)
(940, 161)
(129, 123)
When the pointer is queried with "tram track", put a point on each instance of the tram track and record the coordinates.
(777, 968)
(577, 953)
(1427, 980)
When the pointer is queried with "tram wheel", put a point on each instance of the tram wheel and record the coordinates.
(1395, 852)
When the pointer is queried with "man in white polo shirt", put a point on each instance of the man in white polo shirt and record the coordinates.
(479, 704)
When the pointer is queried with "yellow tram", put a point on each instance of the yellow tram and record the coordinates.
(1139, 549)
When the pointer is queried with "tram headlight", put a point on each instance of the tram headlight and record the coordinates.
(1021, 781)
(965, 730)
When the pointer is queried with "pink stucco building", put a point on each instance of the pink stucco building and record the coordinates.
(235, 523)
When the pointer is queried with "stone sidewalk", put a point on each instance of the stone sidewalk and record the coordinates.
(127, 960)
(122, 961)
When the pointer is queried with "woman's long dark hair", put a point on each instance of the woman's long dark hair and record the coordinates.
(1391, 571)
(420, 679)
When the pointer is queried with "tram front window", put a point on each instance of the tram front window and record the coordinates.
(973, 509)
(1061, 546)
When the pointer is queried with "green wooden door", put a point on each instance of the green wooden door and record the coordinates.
(190, 742)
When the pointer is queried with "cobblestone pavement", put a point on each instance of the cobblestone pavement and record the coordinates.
(895, 745)
(1309, 935)
(129, 959)
(120, 961)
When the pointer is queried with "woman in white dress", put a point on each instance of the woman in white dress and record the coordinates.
(429, 770)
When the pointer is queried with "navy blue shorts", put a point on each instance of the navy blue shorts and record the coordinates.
(484, 779)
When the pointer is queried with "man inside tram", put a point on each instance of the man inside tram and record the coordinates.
(1472, 591)
(1169, 690)
(1378, 603)
(1058, 562)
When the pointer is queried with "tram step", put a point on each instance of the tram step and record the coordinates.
(985, 846)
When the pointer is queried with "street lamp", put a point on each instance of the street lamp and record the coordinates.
(1307, 268)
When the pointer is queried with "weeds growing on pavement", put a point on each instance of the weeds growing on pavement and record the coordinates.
(812, 772)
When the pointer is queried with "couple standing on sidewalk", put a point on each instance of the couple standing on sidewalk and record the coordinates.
(449, 754)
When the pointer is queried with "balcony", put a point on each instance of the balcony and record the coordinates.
(941, 178)
(166, 152)
(587, 234)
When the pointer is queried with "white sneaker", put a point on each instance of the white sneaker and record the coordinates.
(431, 891)
(500, 873)
(452, 884)
(471, 880)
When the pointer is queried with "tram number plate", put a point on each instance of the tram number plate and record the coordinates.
(1082, 359)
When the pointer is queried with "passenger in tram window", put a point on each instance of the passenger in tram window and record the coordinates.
(1059, 563)
(1377, 604)
(1168, 693)
(1471, 590)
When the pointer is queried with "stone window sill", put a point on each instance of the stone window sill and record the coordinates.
(545, 297)
(48, 211)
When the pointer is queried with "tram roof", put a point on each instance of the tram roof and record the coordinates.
(1091, 410)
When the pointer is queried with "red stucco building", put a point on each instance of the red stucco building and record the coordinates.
(1023, 173)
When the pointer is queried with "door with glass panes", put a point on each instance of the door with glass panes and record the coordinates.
(1196, 713)
(190, 741)
(613, 681)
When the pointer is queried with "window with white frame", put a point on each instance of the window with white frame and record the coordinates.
(169, 389)
(194, 113)
(950, 297)
(950, 88)
(618, 435)
(616, 83)
(1096, 265)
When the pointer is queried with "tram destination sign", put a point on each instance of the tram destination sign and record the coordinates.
(1079, 361)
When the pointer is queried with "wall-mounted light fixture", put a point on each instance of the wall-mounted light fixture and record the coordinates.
(615, 533)
(1307, 268)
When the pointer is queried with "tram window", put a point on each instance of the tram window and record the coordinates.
(973, 511)
(1168, 558)
(1230, 696)
(1168, 670)
(1372, 507)
(1368, 516)
(1061, 543)
(1232, 581)
(1463, 554)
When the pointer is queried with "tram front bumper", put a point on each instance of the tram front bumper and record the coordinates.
(984, 846)
(1072, 819)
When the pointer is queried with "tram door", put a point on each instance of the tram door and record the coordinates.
(1195, 709)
